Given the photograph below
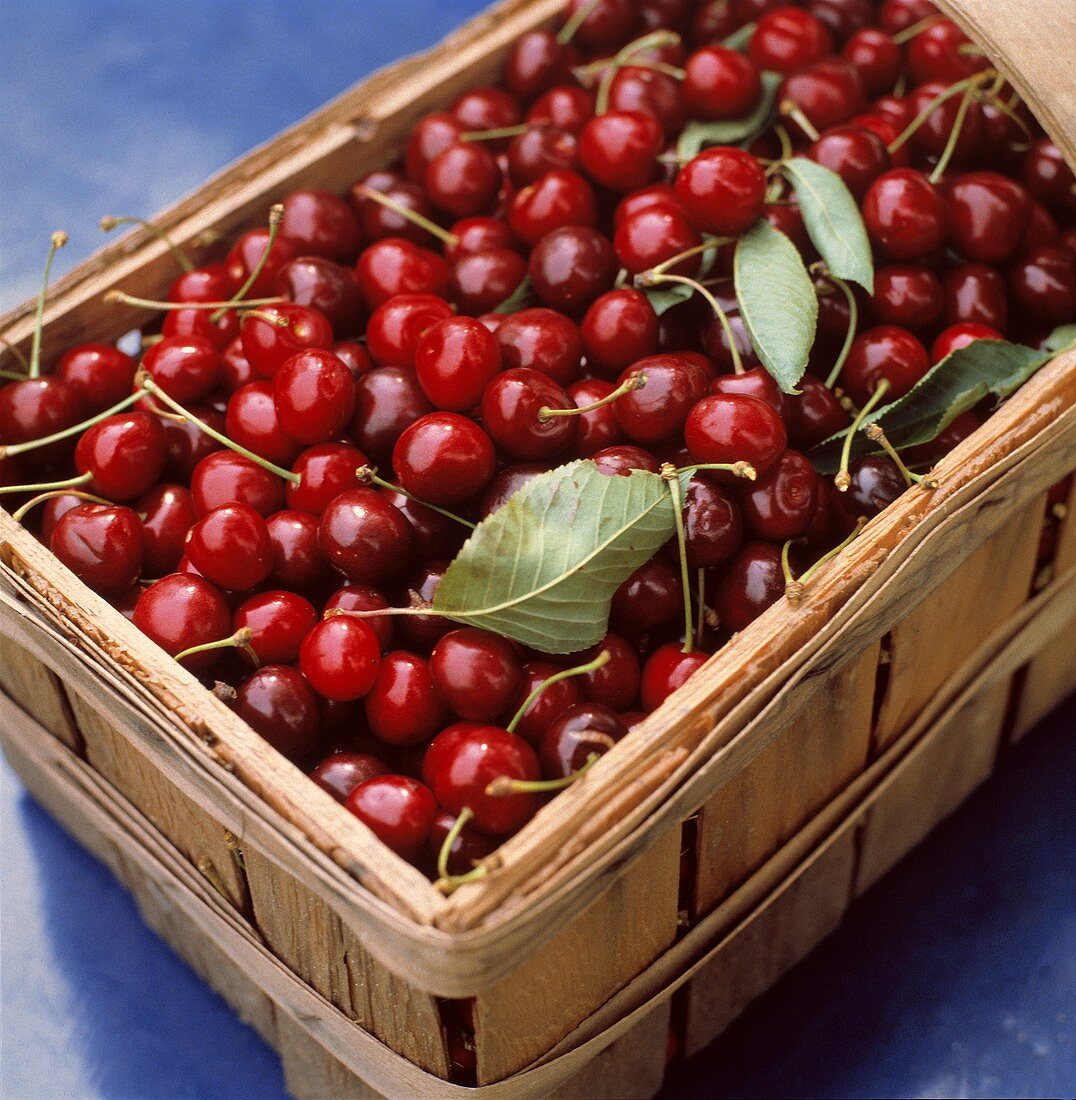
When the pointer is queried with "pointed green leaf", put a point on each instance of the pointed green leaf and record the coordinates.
(777, 302)
(664, 296)
(1064, 336)
(958, 383)
(697, 136)
(833, 221)
(543, 568)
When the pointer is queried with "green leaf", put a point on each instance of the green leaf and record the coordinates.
(543, 568)
(664, 296)
(833, 221)
(697, 136)
(1062, 337)
(523, 297)
(958, 383)
(777, 302)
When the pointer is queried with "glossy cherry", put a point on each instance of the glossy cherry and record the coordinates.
(314, 395)
(252, 421)
(297, 560)
(278, 621)
(557, 199)
(326, 286)
(397, 266)
(988, 213)
(720, 84)
(976, 293)
(828, 92)
(788, 39)
(512, 414)
(722, 190)
(181, 611)
(340, 773)
(463, 179)
(387, 401)
(404, 706)
(400, 812)
(325, 471)
(230, 547)
(364, 537)
(535, 63)
(619, 328)
(959, 336)
(579, 732)
(888, 352)
(877, 58)
(454, 361)
(814, 414)
(909, 295)
(597, 428)
(124, 453)
(779, 506)
(269, 344)
(655, 233)
(1043, 282)
(875, 483)
(224, 477)
(656, 411)
(726, 428)
(443, 458)
(100, 375)
(713, 524)
(651, 597)
(751, 582)
(277, 703)
(168, 514)
(321, 224)
(569, 267)
(905, 215)
(856, 154)
(467, 849)
(667, 669)
(477, 673)
(362, 597)
(101, 545)
(482, 281)
(619, 149)
(340, 658)
(246, 254)
(38, 407)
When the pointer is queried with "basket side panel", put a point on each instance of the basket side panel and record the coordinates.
(933, 783)
(980, 593)
(796, 774)
(762, 949)
(39, 691)
(593, 956)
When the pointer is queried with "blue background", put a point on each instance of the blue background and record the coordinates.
(955, 976)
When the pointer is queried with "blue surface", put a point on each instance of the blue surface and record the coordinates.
(955, 976)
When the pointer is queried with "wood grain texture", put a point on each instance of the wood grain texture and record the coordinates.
(37, 688)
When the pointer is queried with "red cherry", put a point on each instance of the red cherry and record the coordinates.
(714, 20)
(403, 707)
(651, 597)
(608, 22)
(443, 458)
(321, 224)
(877, 59)
(482, 234)
(340, 658)
(487, 108)
(236, 370)
(325, 470)
(751, 583)
(387, 401)
(713, 525)
(512, 414)
(570, 267)
(246, 255)
(828, 92)
(230, 547)
(856, 154)
(180, 611)
(467, 849)
(168, 512)
(1043, 282)
(398, 810)
(100, 375)
(483, 280)
(635, 88)
(508, 482)
(1048, 178)
(278, 622)
(559, 198)
(185, 324)
(435, 534)
(550, 703)
(326, 286)
(396, 327)
(654, 234)
(598, 428)
(465, 758)
(729, 428)
(720, 84)
(422, 632)
(340, 773)
(224, 477)
(565, 105)
(277, 703)
(297, 560)
(463, 179)
(269, 345)
(815, 414)
(622, 458)
(432, 135)
(895, 16)
(875, 483)
(667, 669)
(905, 215)
(780, 505)
(616, 684)
(252, 422)
(396, 266)
(353, 355)
(101, 545)
(38, 407)
(908, 295)
(535, 63)
(886, 352)
(619, 149)
(477, 673)
(988, 214)
(541, 340)
(788, 39)
(378, 221)
(209, 283)
(362, 536)
(937, 53)
(619, 327)
(657, 410)
(976, 293)
(453, 362)
(756, 382)
(959, 336)
(927, 454)
(361, 597)
(722, 190)
(314, 395)
(934, 133)
(577, 734)
(125, 454)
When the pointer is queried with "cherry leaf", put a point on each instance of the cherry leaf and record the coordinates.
(697, 136)
(833, 221)
(543, 568)
(1063, 337)
(954, 385)
(777, 302)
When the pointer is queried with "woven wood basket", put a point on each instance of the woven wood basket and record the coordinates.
(721, 841)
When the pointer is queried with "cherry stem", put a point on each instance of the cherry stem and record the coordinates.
(276, 216)
(794, 596)
(954, 136)
(786, 567)
(504, 785)
(843, 481)
(672, 261)
(108, 223)
(647, 278)
(959, 88)
(739, 469)
(635, 381)
(916, 28)
(274, 319)
(149, 303)
(13, 449)
(239, 640)
(875, 434)
(700, 596)
(623, 58)
(146, 383)
(59, 239)
(48, 486)
(495, 135)
(672, 478)
(451, 837)
(787, 151)
(413, 216)
(23, 361)
(368, 474)
(600, 661)
(577, 19)
(12, 376)
(850, 335)
(19, 514)
(792, 110)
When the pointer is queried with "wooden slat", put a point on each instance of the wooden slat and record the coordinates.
(36, 688)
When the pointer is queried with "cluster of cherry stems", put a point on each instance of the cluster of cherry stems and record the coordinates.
(324, 415)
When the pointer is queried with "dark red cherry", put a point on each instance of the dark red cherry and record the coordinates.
(722, 190)
(1041, 229)
(713, 524)
(756, 382)
(727, 428)
(976, 293)
(398, 810)
(396, 266)
(463, 179)
(565, 105)
(387, 401)
(559, 198)
(364, 537)
(575, 735)
(404, 707)
(856, 154)
(340, 773)
(278, 621)
(536, 62)
(828, 92)
(431, 135)
(905, 215)
(570, 267)
(478, 674)
(321, 224)
(908, 295)
(314, 395)
(246, 255)
(236, 370)
(379, 221)
(787, 39)
(340, 658)
(482, 281)
(622, 458)
(325, 470)
(125, 454)
(396, 327)
(54, 509)
(935, 132)
(101, 545)
(224, 477)
(608, 22)
(277, 703)
(168, 514)
(720, 84)
(877, 59)
(657, 194)
(651, 597)
(959, 336)
(541, 340)
(326, 286)
(209, 283)
(508, 481)
(875, 483)
(638, 89)
(467, 849)
(752, 581)
(297, 560)
(887, 352)
(1043, 282)
(421, 633)
(486, 108)
(183, 610)
(927, 454)
(938, 52)
(230, 547)
(268, 345)
(354, 356)
(37, 407)
(100, 375)
(898, 15)
(186, 368)
(988, 213)
(598, 428)
(184, 324)
(779, 506)
(714, 20)
(464, 759)
(361, 597)
(512, 414)
(616, 683)
(252, 422)
(619, 328)
(667, 669)
(454, 361)
(815, 414)
(656, 411)
(481, 234)
(1048, 178)
(654, 234)
(548, 704)
(619, 149)
(435, 534)
(443, 458)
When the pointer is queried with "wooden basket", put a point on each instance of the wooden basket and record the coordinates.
(696, 862)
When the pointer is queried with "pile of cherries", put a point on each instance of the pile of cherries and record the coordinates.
(322, 416)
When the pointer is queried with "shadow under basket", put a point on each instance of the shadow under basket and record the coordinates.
(694, 864)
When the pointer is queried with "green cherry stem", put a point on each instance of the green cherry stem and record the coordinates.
(58, 240)
(786, 566)
(150, 303)
(451, 837)
(12, 450)
(739, 469)
(413, 216)
(17, 353)
(575, 21)
(368, 474)
(48, 486)
(600, 661)
(909, 33)
(842, 481)
(635, 381)
(495, 135)
(149, 386)
(700, 596)
(954, 136)
(672, 479)
(276, 216)
(875, 434)
(108, 223)
(504, 785)
(609, 69)
(12, 376)
(794, 591)
(850, 335)
(239, 640)
(959, 88)
(19, 514)
(791, 110)
(706, 246)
